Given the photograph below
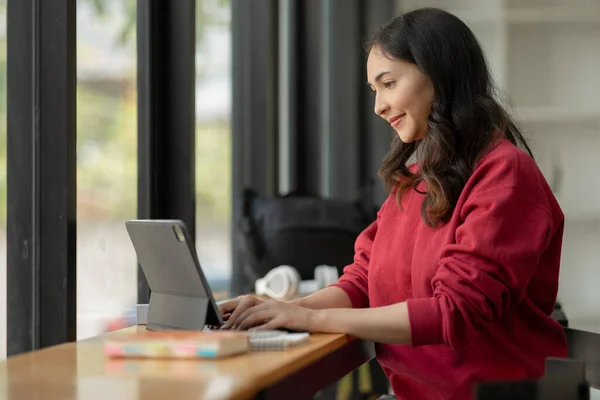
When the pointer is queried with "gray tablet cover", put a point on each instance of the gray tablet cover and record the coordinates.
(180, 296)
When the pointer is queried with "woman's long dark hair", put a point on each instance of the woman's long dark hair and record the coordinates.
(465, 117)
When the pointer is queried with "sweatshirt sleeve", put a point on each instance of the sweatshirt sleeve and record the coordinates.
(354, 280)
(496, 253)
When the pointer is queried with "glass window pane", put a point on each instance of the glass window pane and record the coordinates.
(2, 179)
(213, 142)
(106, 162)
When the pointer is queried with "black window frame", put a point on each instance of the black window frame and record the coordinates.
(41, 181)
(166, 38)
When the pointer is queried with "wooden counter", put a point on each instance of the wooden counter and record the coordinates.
(81, 371)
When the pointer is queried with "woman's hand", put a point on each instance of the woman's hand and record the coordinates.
(272, 314)
(275, 314)
(232, 309)
(330, 297)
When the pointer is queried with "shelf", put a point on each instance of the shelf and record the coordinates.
(568, 158)
(472, 12)
(556, 14)
(556, 115)
(555, 66)
(476, 17)
(534, 15)
(574, 217)
(575, 214)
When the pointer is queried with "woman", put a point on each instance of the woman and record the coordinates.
(458, 276)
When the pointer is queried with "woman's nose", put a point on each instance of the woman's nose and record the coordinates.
(381, 106)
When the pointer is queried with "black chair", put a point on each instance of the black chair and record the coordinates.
(564, 379)
(585, 346)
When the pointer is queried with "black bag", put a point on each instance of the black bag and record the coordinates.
(303, 231)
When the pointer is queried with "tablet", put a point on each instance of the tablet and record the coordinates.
(180, 297)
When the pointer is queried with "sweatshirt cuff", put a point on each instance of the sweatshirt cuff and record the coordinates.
(357, 297)
(425, 318)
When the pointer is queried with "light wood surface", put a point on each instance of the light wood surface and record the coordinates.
(81, 371)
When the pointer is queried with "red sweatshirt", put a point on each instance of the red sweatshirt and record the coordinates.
(479, 289)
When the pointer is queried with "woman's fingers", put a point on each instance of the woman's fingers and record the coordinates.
(256, 318)
(243, 305)
(233, 317)
(272, 307)
(228, 306)
(243, 314)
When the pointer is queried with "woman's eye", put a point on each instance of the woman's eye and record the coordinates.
(388, 84)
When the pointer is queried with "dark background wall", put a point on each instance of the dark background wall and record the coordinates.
(302, 116)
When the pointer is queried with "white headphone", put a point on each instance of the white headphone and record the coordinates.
(284, 282)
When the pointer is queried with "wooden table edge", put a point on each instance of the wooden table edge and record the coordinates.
(308, 376)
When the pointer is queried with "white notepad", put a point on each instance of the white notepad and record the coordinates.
(277, 340)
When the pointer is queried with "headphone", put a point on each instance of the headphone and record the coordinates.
(284, 282)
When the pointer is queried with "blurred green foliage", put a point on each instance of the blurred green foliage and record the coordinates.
(107, 131)
(106, 153)
(213, 171)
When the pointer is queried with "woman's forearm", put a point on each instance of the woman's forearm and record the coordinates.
(388, 324)
(330, 297)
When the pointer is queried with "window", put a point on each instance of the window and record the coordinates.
(2, 179)
(213, 142)
(106, 162)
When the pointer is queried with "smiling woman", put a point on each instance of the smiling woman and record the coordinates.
(463, 258)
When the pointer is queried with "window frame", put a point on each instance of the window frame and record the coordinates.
(41, 174)
(166, 78)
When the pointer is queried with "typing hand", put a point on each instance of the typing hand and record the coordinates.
(232, 309)
(273, 314)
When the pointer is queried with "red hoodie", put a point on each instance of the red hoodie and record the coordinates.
(479, 289)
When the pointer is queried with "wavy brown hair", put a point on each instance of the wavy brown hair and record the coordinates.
(465, 116)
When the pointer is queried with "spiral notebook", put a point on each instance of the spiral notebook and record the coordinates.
(277, 340)
(273, 339)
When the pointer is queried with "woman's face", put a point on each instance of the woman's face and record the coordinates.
(403, 95)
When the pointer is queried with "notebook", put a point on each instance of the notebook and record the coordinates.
(272, 339)
(177, 344)
(279, 340)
